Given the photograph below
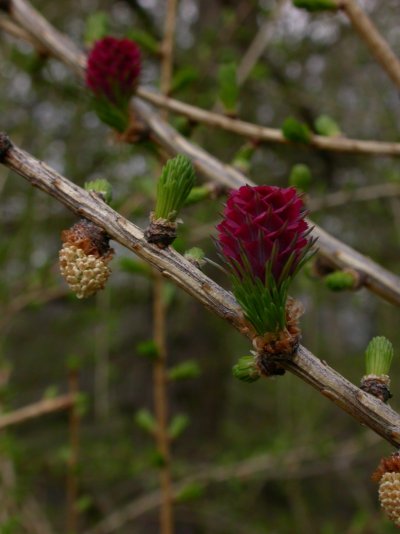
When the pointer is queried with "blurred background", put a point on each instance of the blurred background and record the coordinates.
(271, 457)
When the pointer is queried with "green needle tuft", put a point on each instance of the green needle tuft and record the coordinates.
(379, 356)
(173, 188)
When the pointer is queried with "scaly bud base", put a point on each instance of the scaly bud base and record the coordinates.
(275, 347)
(160, 232)
(377, 385)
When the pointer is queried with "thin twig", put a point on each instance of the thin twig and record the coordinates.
(73, 458)
(161, 405)
(13, 29)
(37, 409)
(265, 134)
(61, 47)
(160, 378)
(259, 43)
(102, 364)
(363, 407)
(378, 46)
(361, 194)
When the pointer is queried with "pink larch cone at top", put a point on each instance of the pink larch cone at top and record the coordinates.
(113, 68)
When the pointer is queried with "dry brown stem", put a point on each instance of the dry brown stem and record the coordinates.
(264, 134)
(73, 459)
(37, 409)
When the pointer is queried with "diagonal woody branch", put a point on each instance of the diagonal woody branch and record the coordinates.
(36, 29)
(378, 46)
(360, 405)
(265, 134)
(335, 253)
(37, 409)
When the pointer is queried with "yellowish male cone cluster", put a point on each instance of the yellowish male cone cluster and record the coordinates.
(388, 477)
(84, 258)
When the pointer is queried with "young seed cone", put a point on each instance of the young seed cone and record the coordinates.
(84, 258)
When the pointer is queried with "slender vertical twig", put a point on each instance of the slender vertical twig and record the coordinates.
(161, 407)
(259, 43)
(73, 458)
(160, 366)
(101, 347)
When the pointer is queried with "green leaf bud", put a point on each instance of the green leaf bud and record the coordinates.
(148, 349)
(246, 369)
(197, 194)
(145, 40)
(96, 27)
(184, 371)
(296, 131)
(192, 491)
(228, 88)
(178, 424)
(300, 177)
(173, 188)
(378, 356)
(196, 256)
(340, 280)
(101, 186)
(145, 420)
(242, 159)
(316, 5)
(326, 126)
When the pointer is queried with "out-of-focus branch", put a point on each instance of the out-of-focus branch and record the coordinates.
(378, 46)
(44, 33)
(64, 49)
(265, 134)
(361, 194)
(365, 408)
(42, 407)
(8, 26)
(259, 43)
(298, 463)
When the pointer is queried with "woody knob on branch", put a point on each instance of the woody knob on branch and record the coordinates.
(86, 253)
(176, 181)
(264, 240)
(378, 359)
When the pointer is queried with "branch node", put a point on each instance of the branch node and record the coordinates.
(5, 144)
